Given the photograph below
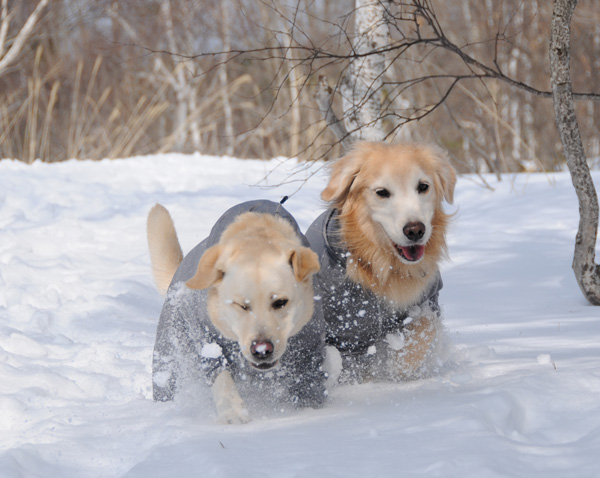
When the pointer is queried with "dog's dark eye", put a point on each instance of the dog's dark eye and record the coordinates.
(279, 304)
(422, 187)
(383, 193)
(244, 306)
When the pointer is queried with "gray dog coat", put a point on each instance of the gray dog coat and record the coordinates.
(356, 319)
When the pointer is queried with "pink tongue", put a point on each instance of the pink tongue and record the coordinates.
(413, 253)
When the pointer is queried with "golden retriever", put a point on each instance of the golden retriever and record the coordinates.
(380, 244)
(238, 305)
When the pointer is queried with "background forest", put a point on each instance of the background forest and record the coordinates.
(104, 78)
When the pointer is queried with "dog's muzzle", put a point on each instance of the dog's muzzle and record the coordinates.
(262, 354)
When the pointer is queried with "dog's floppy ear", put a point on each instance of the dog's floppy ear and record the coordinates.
(448, 179)
(207, 273)
(304, 262)
(343, 174)
(446, 175)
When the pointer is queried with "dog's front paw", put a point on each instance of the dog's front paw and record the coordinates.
(234, 416)
(230, 406)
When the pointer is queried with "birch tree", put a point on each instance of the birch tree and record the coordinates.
(586, 270)
(362, 86)
(224, 77)
(185, 91)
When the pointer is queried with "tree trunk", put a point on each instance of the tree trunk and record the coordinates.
(224, 77)
(324, 98)
(178, 81)
(362, 86)
(586, 271)
(515, 110)
(294, 106)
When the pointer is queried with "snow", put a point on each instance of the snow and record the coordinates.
(395, 341)
(212, 351)
(78, 315)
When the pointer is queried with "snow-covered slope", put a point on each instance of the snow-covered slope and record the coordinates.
(78, 312)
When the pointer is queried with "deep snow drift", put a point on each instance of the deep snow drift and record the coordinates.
(78, 313)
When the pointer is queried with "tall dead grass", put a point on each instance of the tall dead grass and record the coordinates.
(78, 117)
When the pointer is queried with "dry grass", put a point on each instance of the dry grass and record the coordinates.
(52, 120)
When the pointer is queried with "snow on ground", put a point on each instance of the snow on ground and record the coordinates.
(78, 312)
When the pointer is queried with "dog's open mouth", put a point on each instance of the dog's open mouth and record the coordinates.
(410, 253)
(264, 365)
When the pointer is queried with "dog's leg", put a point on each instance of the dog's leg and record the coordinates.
(332, 365)
(230, 406)
(420, 336)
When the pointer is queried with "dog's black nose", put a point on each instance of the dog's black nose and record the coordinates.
(414, 230)
(262, 349)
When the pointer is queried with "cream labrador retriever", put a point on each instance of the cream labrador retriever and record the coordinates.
(239, 307)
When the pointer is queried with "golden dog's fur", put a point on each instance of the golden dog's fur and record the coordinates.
(380, 269)
(376, 264)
